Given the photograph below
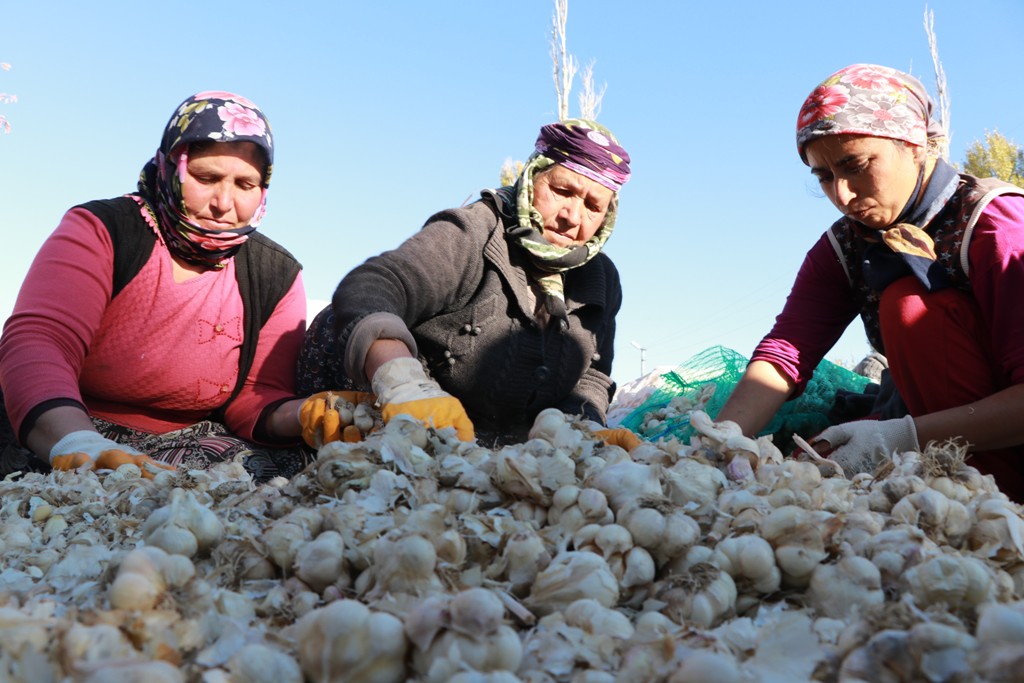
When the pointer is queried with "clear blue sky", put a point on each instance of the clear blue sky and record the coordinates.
(385, 112)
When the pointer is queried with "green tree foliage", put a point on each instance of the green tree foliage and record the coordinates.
(997, 157)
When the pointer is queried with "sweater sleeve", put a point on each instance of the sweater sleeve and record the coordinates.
(819, 308)
(996, 258)
(57, 312)
(271, 379)
(420, 279)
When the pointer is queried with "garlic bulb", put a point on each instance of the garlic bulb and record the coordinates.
(346, 642)
(796, 535)
(626, 482)
(183, 527)
(469, 635)
(145, 575)
(750, 561)
(702, 597)
(849, 585)
(321, 562)
(946, 521)
(956, 582)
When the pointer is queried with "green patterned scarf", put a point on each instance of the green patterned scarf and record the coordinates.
(549, 261)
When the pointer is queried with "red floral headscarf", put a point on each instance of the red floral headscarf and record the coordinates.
(867, 99)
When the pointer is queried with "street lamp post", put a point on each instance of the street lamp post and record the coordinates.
(643, 357)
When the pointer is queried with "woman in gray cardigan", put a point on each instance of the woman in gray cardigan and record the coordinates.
(494, 311)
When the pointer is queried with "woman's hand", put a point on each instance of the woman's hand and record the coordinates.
(861, 445)
(403, 387)
(330, 416)
(86, 448)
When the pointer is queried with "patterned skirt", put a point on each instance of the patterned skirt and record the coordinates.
(194, 447)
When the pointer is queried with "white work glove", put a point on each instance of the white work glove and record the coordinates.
(87, 448)
(402, 387)
(862, 445)
(89, 442)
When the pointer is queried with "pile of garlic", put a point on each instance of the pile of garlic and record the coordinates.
(412, 556)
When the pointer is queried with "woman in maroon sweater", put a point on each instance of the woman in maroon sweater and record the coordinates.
(933, 263)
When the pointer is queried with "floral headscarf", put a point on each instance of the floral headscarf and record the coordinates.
(867, 99)
(207, 116)
(591, 150)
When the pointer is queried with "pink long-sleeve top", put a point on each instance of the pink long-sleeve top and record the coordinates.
(821, 305)
(158, 357)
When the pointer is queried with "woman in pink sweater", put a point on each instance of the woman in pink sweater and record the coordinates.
(933, 263)
(159, 327)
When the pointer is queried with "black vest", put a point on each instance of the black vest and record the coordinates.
(265, 271)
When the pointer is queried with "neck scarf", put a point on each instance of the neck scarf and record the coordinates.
(591, 150)
(207, 116)
(906, 248)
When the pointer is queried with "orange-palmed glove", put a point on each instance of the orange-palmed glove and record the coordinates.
(86, 448)
(621, 437)
(331, 416)
(403, 388)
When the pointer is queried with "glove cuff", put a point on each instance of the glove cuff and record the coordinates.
(901, 434)
(402, 380)
(87, 441)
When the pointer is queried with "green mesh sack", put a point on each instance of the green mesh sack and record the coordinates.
(706, 380)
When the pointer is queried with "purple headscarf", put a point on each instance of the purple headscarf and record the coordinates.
(588, 148)
(867, 99)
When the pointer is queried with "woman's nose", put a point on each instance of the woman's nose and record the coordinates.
(843, 192)
(572, 210)
(222, 197)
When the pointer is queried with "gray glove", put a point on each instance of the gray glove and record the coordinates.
(862, 445)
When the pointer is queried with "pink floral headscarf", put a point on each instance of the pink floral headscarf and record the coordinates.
(867, 99)
(210, 116)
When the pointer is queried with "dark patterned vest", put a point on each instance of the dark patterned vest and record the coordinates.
(950, 229)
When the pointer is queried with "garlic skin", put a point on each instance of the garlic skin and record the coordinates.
(707, 667)
(137, 672)
(572, 576)
(259, 663)
(346, 642)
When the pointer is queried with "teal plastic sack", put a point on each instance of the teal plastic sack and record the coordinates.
(706, 380)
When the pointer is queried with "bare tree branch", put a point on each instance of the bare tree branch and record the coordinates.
(590, 99)
(565, 65)
(940, 80)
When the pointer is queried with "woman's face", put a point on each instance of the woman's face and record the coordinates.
(571, 205)
(868, 179)
(221, 187)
